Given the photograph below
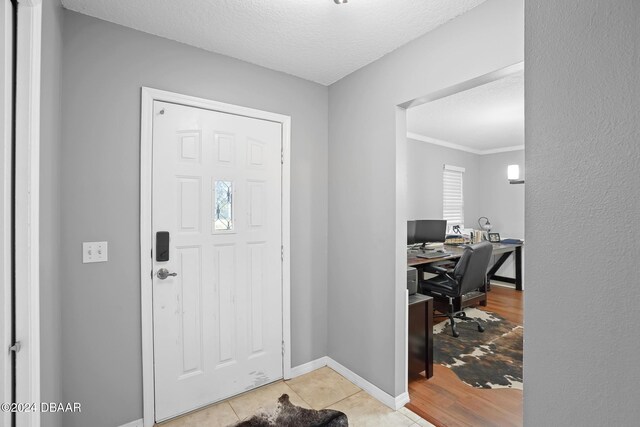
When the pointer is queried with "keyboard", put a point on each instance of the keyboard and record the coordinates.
(431, 254)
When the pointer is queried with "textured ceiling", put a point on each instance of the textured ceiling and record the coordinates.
(313, 39)
(487, 117)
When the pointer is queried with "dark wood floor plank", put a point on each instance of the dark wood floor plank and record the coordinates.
(446, 401)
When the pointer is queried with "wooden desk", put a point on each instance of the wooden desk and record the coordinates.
(505, 250)
(502, 249)
(420, 339)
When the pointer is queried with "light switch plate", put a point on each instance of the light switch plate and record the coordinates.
(94, 252)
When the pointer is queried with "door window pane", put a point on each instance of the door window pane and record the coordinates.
(223, 208)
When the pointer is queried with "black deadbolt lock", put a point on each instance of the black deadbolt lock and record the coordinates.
(162, 246)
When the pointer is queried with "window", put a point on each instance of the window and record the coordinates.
(452, 195)
(223, 210)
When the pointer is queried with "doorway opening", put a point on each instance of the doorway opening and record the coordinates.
(462, 147)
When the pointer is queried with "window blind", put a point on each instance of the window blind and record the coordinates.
(452, 195)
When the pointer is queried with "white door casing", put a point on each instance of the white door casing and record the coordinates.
(220, 324)
(26, 198)
(27, 207)
(6, 44)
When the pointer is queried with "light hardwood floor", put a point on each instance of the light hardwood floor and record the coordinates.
(444, 400)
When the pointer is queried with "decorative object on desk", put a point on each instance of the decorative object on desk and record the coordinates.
(494, 237)
(287, 414)
(489, 360)
(512, 241)
(454, 240)
(513, 174)
(456, 229)
(485, 226)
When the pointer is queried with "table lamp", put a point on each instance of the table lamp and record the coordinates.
(485, 226)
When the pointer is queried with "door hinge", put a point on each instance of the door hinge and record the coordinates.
(281, 253)
(282, 157)
(16, 347)
(283, 348)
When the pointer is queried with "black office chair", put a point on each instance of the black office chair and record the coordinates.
(468, 275)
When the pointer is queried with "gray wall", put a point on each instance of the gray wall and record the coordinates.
(50, 148)
(501, 202)
(104, 66)
(367, 204)
(424, 180)
(582, 96)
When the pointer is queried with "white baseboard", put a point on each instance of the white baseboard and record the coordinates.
(502, 284)
(401, 400)
(309, 367)
(394, 403)
(136, 423)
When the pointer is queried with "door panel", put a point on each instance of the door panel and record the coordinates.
(217, 191)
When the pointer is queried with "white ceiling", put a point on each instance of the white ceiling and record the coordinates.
(487, 118)
(313, 39)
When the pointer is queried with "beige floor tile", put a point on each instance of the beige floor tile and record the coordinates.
(264, 399)
(364, 411)
(323, 387)
(423, 423)
(408, 413)
(220, 415)
(320, 389)
(415, 418)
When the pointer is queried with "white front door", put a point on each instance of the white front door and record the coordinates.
(217, 323)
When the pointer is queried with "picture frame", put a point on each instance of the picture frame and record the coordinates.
(494, 237)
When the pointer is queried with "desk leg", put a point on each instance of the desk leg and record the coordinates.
(519, 268)
(495, 267)
(429, 324)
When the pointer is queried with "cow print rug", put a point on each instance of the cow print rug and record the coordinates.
(492, 359)
(289, 415)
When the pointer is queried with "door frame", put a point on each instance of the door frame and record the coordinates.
(148, 96)
(27, 207)
(6, 115)
(402, 317)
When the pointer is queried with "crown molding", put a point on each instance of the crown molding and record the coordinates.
(502, 150)
(447, 144)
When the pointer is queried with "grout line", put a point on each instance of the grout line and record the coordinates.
(234, 411)
(413, 423)
(298, 394)
(334, 403)
(246, 393)
(407, 409)
(344, 398)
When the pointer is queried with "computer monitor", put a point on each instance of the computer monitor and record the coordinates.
(430, 231)
(411, 232)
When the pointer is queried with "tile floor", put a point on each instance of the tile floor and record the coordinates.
(320, 389)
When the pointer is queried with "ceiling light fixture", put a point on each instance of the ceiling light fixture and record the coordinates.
(340, 1)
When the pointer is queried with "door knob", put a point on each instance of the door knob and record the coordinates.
(163, 273)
